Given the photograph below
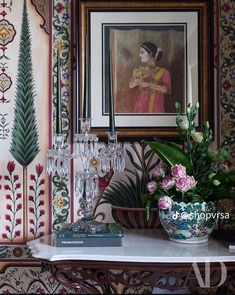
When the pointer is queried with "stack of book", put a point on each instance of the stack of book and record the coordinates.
(111, 237)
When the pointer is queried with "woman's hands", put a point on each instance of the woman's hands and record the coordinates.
(150, 85)
(140, 83)
(159, 88)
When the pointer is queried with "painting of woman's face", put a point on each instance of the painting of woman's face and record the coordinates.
(144, 56)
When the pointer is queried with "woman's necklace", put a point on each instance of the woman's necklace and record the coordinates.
(145, 71)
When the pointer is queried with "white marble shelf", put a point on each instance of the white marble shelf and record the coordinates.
(138, 246)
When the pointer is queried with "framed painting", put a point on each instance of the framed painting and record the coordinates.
(152, 54)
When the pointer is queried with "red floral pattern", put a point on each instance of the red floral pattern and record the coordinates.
(14, 204)
(59, 7)
(36, 201)
(29, 280)
(226, 7)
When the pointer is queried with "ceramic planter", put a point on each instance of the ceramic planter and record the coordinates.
(189, 222)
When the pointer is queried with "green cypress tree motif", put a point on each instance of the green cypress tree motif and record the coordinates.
(24, 141)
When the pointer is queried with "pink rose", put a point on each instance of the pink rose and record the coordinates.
(167, 182)
(165, 203)
(192, 181)
(151, 186)
(178, 171)
(159, 170)
(182, 184)
(186, 183)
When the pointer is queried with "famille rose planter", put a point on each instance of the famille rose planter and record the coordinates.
(135, 217)
(189, 222)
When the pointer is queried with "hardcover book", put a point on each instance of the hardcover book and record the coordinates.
(227, 237)
(113, 230)
(88, 242)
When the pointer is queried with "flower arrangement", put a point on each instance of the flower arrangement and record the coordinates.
(193, 172)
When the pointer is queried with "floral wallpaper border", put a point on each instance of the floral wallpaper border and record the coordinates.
(227, 75)
(21, 277)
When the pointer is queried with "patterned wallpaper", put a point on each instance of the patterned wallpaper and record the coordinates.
(32, 204)
(31, 32)
(24, 123)
(227, 75)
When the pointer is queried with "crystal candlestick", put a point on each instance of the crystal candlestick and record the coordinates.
(112, 155)
(58, 158)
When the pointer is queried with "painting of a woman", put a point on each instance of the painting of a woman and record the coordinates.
(153, 81)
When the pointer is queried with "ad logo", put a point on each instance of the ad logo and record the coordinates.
(207, 282)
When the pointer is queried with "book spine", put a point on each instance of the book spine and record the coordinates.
(88, 242)
(88, 235)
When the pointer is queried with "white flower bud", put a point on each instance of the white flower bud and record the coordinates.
(216, 182)
(184, 125)
(212, 154)
(197, 136)
(177, 105)
(197, 105)
(211, 175)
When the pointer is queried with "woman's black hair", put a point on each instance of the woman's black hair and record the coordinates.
(153, 50)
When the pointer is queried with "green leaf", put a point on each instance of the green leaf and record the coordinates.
(125, 193)
(24, 145)
(226, 177)
(137, 186)
(171, 154)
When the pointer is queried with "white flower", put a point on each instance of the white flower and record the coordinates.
(197, 136)
(184, 125)
(211, 175)
(216, 182)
